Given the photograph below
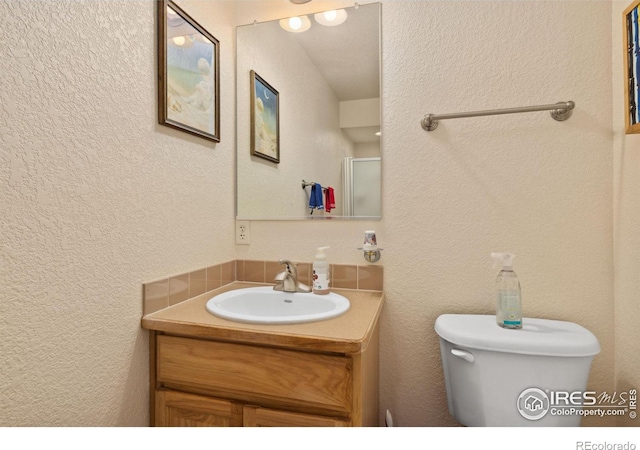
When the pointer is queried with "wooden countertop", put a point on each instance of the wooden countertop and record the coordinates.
(348, 333)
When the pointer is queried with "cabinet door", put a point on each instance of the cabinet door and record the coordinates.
(179, 409)
(255, 416)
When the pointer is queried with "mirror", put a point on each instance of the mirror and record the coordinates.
(308, 111)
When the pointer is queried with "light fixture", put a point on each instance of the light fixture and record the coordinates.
(185, 41)
(296, 24)
(299, 2)
(331, 18)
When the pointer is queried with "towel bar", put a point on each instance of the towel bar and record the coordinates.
(559, 111)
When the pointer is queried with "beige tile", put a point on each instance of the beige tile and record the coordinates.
(304, 273)
(160, 294)
(156, 296)
(370, 278)
(272, 268)
(228, 273)
(254, 271)
(343, 276)
(239, 265)
(197, 282)
(178, 289)
(213, 277)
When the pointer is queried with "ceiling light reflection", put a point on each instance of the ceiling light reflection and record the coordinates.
(296, 24)
(331, 18)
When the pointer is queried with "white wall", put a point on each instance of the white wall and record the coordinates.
(520, 183)
(360, 113)
(367, 150)
(95, 199)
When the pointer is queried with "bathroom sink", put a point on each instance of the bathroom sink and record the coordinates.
(265, 305)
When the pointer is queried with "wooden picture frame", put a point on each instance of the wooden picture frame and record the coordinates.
(265, 120)
(631, 58)
(188, 74)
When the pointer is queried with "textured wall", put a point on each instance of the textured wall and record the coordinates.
(96, 198)
(627, 225)
(521, 183)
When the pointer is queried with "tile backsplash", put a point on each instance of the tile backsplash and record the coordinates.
(163, 293)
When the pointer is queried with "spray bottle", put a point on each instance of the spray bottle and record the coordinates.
(321, 275)
(508, 298)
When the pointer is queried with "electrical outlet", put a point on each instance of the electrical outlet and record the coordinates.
(243, 232)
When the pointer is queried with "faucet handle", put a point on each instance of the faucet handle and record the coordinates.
(280, 276)
(288, 263)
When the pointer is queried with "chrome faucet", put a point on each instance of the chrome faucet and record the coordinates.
(287, 280)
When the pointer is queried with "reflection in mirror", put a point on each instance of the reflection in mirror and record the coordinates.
(327, 123)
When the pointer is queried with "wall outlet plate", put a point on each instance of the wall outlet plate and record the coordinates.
(243, 232)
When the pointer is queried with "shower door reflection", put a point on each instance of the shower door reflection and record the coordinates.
(362, 187)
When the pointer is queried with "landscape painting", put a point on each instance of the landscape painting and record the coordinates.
(189, 72)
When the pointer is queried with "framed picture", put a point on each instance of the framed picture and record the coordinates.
(265, 123)
(188, 74)
(631, 68)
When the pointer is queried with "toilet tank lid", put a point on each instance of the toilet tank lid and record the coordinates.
(541, 337)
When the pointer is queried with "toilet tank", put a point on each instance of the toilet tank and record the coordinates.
(500, 377)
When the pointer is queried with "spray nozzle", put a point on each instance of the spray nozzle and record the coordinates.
(320, 254)
(504, 259)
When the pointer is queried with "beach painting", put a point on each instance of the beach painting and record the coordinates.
(632, 67)
(189, 82)
(265, 127)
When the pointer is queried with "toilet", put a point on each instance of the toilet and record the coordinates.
(535, 376)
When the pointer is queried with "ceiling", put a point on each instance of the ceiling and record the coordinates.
(348, 55)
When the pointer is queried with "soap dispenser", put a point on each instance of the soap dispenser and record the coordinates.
(508, 297)
(321, 275)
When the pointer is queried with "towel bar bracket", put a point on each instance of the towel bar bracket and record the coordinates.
(429, 123)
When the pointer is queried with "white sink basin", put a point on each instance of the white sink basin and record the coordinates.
(264, 305)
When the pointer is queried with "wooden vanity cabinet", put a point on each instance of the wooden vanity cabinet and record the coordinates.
(257, 416)
(180, 409)
(204, 382)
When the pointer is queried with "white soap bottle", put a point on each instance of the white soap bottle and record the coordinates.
(321, 275)
(508, 296)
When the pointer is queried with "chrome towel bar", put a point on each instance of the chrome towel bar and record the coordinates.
(305, 184)
(559, 111)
